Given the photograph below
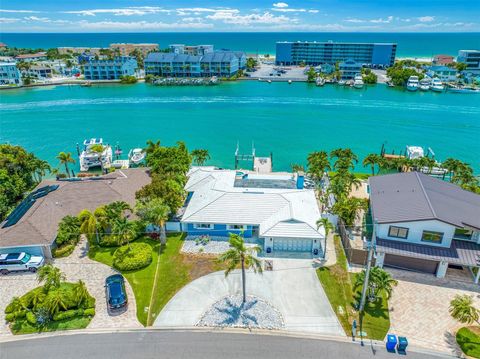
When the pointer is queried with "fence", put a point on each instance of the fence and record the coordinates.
(354, 255)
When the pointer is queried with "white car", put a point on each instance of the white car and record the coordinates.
(15, 262)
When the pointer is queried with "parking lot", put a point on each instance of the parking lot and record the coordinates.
(269, 72)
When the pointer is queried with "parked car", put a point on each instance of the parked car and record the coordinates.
(116, 293)
(17, 262)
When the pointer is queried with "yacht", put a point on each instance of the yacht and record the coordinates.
(437, 85)
(88, 158)
(424, 84)
(342, 82)
(136, 156)
(358, 81)
(412, 83)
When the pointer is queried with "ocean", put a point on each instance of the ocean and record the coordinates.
(288, 121)
(409, 44)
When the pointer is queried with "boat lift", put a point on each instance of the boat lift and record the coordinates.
(258, 164)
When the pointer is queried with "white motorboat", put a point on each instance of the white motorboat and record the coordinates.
(342, 82)
(437, 85)
(320, 81)
(358, 82)
(424, 84)
(412, 83)
(417, 152)
(92, 157)
(136, 156)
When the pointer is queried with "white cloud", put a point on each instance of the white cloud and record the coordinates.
(280, 5)
(426, 18)
(288, 10)
(140, 25)
(355, 21)
(8, 20)
(313, 11)
(229, 17)
(36, 18)
(382, 21)
(128, 11)
(19, 11)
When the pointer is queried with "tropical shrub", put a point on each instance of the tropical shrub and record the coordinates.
(31, 318)
(128, 79)
(90, 312)
(68, 314)
(132, 257)
(108, 240)
(68, 230)
(63, 251)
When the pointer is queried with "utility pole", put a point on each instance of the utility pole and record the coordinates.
(369, 266)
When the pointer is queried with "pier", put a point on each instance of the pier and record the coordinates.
(258, 164)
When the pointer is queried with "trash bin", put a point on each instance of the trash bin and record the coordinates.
(391, 342)
(402, 344)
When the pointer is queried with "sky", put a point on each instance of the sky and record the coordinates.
(240, 15)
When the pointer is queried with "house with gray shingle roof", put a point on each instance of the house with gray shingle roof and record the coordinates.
(423, 223)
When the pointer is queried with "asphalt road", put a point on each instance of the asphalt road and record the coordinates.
(188, 345)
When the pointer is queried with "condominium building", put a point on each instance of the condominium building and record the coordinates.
(9, 74)
(217, 63)
(317, 53)
(471, 58)
(39, 56)
(78, 50)
(127, 49)
(195, 50)
(105, 69)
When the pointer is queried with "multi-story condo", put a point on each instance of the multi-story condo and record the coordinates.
(39, 56)
(318, 53)
(195, 50)
(78, 50)
(9, 74)
(442, 60)
(471, 58)
(349, 69)
(110, 69)
(217, 63)
(127, 49)
(38, 71)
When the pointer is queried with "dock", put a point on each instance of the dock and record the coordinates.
(257, 164)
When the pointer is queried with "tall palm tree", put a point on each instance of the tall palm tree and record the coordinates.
(318, 163)
(155, 212)
(41, 169)
(125, 231)
(91, 222)
(81, 292)
(51, 276)
(200, 156)
(327, 226)
(347, 208)
(55, 302)
(383, 281)
(451, 165)
(239, 254)
(297, 167)
(462, 309)
(65, 158)
(371, 160)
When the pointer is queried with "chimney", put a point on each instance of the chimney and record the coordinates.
(300, 179)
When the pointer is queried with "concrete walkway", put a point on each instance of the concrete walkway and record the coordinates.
(292, 287)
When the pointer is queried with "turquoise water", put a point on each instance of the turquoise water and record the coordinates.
(409, 44)
(288, 120)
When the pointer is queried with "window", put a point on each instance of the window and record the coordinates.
(203, 226)
(430, 236)
(237, 227)
(398, 232)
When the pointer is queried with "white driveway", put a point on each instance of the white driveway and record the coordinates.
(292, 287)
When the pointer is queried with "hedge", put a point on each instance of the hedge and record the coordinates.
(68, 314)
(89, 312)
(133, 257)
(63, 251)
(31, 318)
(108, 240)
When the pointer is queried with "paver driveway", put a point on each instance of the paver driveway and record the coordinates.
(292, 287)
(419, 309)
(76, 266)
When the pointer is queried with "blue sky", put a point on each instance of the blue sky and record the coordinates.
(240, 15)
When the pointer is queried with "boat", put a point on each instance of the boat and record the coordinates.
(437, 85)
(412, 83)
(424, 84)
(320, 81)
(289, 82)
(460, 89)
(342, 82)
(417, 152)
(390, 84)
(89, 158)
(136, 156)
(358, 82)
(86, 84)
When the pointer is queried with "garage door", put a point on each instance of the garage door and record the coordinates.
(415, 264)
(292, 245)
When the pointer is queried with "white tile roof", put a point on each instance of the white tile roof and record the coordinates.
(278, 212)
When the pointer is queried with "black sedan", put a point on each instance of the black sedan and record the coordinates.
(116, 293)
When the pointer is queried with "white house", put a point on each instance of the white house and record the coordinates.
(273, 210)
(423, 223)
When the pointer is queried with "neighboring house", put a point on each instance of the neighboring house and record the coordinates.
(325, 69)
(424, 224)
(442, 59)
(9, 74)
(217, 63)
(471, 58)
(349, 69)
(272, 210)
(39, 56)
(105, 69)
(127, 49)
(34, 229)
(38, 71)
(444, 73)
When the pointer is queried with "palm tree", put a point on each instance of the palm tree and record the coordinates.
(462, 309)
(91, 222)
(347, 208)
(156, 212)
(297, 167)
(41, 168)
(56, 301)
(200, 156)
(81, 292)
(318, 163)
(451, 165)
(125, 231)
(327, 226)
(65, 158)
(115, 210)
(52, 276)
(383, 281)
(240, 254)
(36, 297)
(371, 160)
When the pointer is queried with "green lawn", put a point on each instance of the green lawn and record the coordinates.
(173, 274)
(469, 341)
(337, 283)
(23, 327)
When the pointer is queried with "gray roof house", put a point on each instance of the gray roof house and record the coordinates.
(423, 223)
(36, 230)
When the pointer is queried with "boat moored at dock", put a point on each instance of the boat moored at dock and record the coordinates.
(136, 156)
(424, 84)
(358, 82)
(412, 83)
(94, 154)
(437, 85)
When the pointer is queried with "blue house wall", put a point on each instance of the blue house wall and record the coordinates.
(219, 230)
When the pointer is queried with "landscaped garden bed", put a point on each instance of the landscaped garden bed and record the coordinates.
(468, 338)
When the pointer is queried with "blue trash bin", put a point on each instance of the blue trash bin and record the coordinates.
(402, 344)
(391, 342)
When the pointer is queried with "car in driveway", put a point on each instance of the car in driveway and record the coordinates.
(18, 262)
(115, 291)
